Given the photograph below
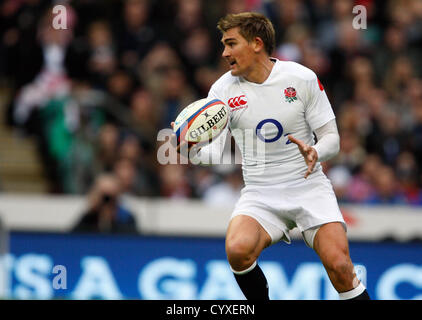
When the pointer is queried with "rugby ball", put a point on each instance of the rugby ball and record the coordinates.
(201, 121)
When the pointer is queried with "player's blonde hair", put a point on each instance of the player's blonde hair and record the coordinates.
(251, 25)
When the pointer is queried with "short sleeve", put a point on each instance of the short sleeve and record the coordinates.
(217, 92)
(213, 93)
(318, 110)
(212, 153)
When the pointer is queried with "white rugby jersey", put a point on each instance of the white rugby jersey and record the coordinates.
(290, 101)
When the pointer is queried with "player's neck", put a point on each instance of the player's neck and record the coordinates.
(261, 71)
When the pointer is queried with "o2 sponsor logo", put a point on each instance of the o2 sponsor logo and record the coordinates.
(270, 126)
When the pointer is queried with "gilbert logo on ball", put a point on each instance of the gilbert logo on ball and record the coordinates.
(201, 121)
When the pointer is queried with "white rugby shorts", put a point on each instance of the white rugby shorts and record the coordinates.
(306, 204)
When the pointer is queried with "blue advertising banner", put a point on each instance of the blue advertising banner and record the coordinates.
(87, 266)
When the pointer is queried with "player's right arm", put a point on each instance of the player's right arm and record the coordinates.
(209, 154)
(206, 155)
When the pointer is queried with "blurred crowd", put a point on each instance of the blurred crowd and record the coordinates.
(96, 94)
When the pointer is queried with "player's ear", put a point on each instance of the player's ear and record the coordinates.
(258, 44)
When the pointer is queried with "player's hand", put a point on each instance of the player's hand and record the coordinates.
(308, 152)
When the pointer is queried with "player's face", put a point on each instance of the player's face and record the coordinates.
(238, 52)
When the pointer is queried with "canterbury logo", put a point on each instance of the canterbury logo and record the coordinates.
(237, 101)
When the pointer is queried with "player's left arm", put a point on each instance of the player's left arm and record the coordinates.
(320, 117)
(328, 145)
(308, 152)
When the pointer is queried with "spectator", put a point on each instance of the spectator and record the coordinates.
(361, 187)
(44, 107)
(125, 171)
(129, 148)
(81, 91)
(197, 50)
(188, 17)
(174, 182)
(416, 130)
(387, 191)
(235, 6)
(105, 213)
(340, 178)
(408, 174)
(102, 60)
(145, 114)
(362, 75)
(226, 192)
(297, 37)
(351, 154)
(52, 80)
(175, 94)
(107, 147)
(135, 34)
(388, 140)
(153, 67)
(398, 77)
(202, 178)
(394, 45)
(120, 85)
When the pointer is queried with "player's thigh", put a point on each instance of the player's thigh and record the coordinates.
(246, 236)
(331, 245)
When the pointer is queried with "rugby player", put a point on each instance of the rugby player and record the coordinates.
(283, 104)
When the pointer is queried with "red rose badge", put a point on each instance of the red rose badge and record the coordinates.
(290, 94)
